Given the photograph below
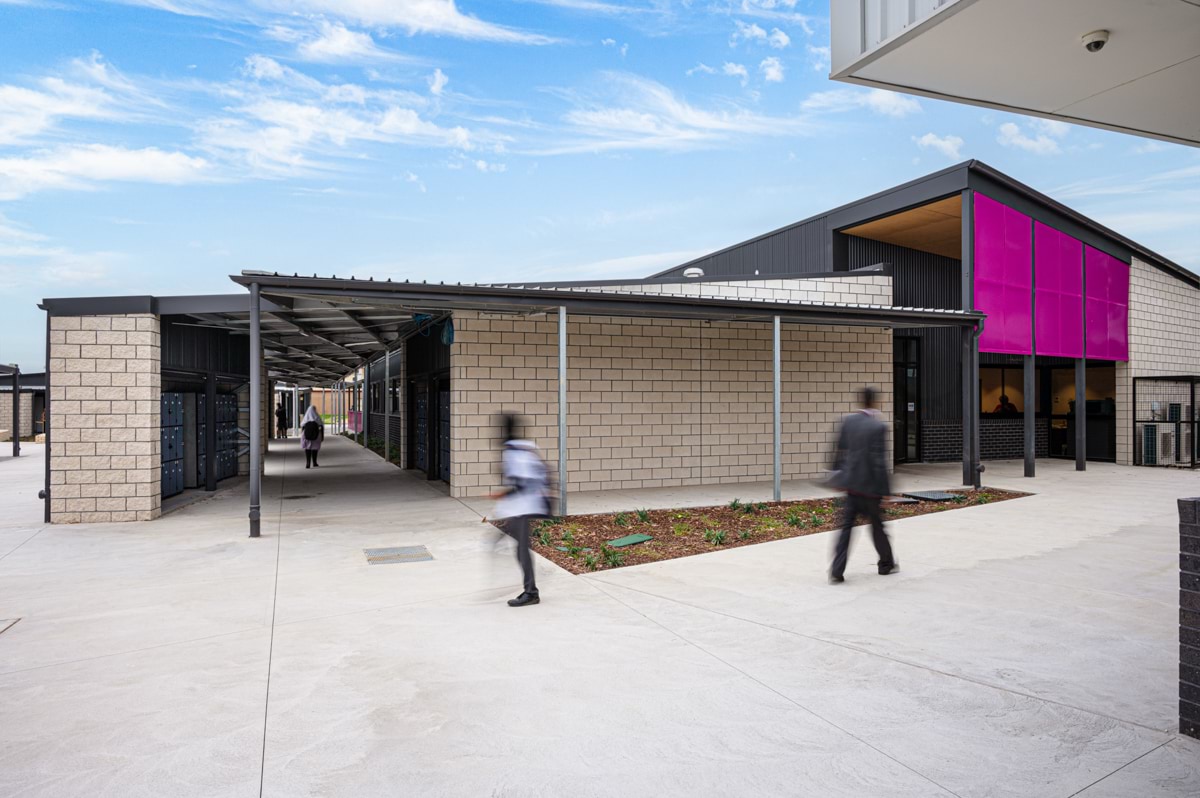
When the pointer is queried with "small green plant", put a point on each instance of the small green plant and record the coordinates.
(744, 534)
(544, 536)
(769, 524)
(750, 509)
(680, 530)
(643, 516)
(715, 536)
(568, 536)
(590, 561)
(983, 498)
(573, 552)
(621, 519)
(613, 558)
(795, 519)
(679, 516)
(736, 504)
(959, 498)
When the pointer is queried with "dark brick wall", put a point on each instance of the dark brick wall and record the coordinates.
(999, 439)
(1189, 617)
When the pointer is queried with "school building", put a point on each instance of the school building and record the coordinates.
(946, 293)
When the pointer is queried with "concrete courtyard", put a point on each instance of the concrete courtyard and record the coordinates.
(1027, 648)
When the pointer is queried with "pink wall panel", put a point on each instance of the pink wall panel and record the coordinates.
(1058, 304)
(1003, 277)
(1107, 306)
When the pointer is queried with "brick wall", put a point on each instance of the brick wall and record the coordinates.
(105, 381)
(999, 439)
(859, 290)
(1164, 327)
(656, 402)
(1189, 617)
(6, 413)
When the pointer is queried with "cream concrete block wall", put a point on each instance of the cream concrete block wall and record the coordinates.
(861, 290)
(105, 382)
(1164, 340)
(6, 419)
(656, 402)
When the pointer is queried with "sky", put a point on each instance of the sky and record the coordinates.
(158, 146)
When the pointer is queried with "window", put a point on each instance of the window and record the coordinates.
(1002, 390)
(376, 407)
(394, 396)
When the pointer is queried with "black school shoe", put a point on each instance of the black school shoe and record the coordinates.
(836, 580)
(884, 570)
(524, 599)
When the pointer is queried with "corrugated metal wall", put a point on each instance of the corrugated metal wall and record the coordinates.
(922, 280)
(203, 349)
(803, 248)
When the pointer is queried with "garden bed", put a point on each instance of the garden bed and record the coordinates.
(579, 543)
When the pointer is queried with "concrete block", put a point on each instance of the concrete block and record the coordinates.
(95, 322)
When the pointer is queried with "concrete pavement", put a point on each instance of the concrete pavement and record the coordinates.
(1026, 648)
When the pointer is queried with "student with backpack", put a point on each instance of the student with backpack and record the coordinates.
(312, 432)
(526, 497)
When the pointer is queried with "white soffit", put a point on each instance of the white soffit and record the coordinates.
(1026, 55)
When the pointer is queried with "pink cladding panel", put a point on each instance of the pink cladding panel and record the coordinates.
(1058, 304)
(1107, 307)
(1003, 269)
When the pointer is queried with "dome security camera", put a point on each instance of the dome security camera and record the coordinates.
(1095, 41)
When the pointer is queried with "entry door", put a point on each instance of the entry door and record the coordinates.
(906, 426)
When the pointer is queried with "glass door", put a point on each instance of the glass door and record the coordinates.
(906, 387)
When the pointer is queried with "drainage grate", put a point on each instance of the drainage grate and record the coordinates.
(931, 495)
(397, 554)
(298, 496)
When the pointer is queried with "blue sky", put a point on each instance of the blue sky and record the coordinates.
(157, 146)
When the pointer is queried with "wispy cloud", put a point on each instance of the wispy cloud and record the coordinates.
(879, 101)
(437, 82)
(636, 113)
(83, 167)
(31, 259)
(750, 32)
(736, 71)
(818, 57)
(1045, 139)
(333, 42)
(771, 69)
(950, 146)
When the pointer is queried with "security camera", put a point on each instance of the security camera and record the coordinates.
(1095, 41)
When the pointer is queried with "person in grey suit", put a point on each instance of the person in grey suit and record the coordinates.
(860, 469)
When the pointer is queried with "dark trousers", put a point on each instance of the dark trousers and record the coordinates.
(310, 457)
(868, 507)
(519, 528)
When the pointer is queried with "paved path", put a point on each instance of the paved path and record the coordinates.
(1026, 649)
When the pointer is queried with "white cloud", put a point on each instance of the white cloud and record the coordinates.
(772, 69)
(777, 11)
(879, 101)
(950, 146)
(750, 32)
(736, 71)
(484, 166)
(641, 114)
(609, 42)
(437, 82)
(1043, 142)
(412, 178)
(435, 17)
(84, 166)
(334, 42)
(818, 57)
(625, 49)
(705, 68)
(778, 39)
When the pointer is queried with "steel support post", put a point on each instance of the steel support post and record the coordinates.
(1080, 414)
(366, 404)
(256, 361)
(1030, 417)
(387, 406)
(16, 408)
(295, 410)
(562, 412)
(968, 409)
(777, 413)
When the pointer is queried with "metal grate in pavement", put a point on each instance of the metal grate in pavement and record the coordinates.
(397, 554)
(931, 495)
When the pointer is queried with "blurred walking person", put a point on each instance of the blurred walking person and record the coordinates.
(312, 433)
(860, 469)
(281, 421)
(525, 498)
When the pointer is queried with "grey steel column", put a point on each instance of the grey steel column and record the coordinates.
(256, 362)
(16, 408)
(562, 411)
(366, 406)
(976, 456)
(1080, 414)
(387, 406)
(967, 392)
(777, 414)
(1030, 418)
(296, 409)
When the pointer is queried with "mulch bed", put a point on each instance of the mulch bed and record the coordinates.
(696, 530)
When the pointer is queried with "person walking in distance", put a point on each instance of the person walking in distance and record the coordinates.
(312, 433)
(860, 469)
(525, 497)
(281, 421)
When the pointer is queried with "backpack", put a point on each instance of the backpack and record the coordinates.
(312, 431)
